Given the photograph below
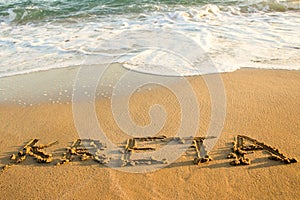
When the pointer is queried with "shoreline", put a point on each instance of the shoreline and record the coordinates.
(55, 86)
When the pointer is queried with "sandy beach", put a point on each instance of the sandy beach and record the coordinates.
(263, 104)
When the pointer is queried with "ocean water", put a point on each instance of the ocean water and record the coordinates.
(165, 37)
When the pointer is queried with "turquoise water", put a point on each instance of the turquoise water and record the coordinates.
(35, 10)
(38, 35)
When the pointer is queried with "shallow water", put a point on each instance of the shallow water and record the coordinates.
(178, 38)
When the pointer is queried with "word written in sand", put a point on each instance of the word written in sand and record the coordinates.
(88, 149)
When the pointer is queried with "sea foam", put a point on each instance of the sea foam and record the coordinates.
(230, 37)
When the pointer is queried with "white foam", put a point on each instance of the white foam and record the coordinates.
(232, 39)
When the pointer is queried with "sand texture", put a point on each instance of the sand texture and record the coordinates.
(263, 104)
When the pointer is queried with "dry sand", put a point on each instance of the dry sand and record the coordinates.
(263, 104)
